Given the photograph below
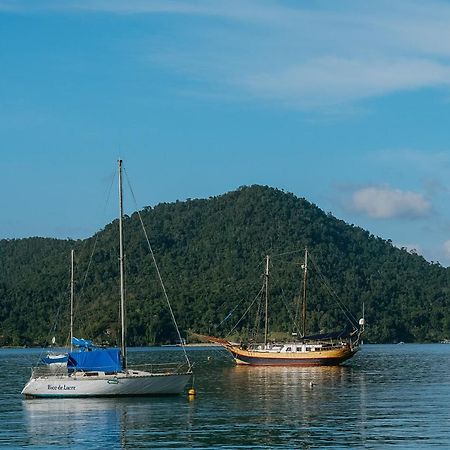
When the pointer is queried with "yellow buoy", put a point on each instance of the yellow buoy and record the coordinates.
(191, 392)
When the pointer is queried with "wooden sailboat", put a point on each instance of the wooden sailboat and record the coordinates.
(99, 372)
(317, 350)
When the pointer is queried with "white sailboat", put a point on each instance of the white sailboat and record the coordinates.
(105, 372)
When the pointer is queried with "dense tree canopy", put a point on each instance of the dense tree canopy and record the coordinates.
(210, 254)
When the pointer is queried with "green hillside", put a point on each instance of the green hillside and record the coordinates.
(210, 253)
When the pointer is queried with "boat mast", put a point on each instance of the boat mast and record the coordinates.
(266, 327)
(121, 261)
(305, 276)
(71, 300)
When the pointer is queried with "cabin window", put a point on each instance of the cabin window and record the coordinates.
(289, 349)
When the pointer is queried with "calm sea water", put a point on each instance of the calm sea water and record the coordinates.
(386, 396)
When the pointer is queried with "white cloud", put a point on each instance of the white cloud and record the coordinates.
(386, 203)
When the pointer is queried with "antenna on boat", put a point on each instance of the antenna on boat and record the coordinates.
(121, 261)
(266, 326)
(71, 300)
(362, 321)
(305, 276)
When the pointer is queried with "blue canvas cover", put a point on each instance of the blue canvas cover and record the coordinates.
(82, 343)
(51, 359)
(103, 360)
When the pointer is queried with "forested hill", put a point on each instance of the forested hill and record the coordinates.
(210, 254)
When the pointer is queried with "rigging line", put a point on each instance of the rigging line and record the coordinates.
(297, 306)
(158, 272)
(258, 316)
(58, 312)
(344, 309)
(230, 313)
(91, 257)
(81, 294)
(244, 298)
(287, 253)
(248, 309)
(294, 323)
(261, 310)
(288, 309)
(52, 329)
(350, 317)
(97, 235)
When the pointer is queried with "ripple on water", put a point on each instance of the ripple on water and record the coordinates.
(387, 396)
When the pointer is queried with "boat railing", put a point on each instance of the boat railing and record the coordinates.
(307, 345)
(162, 368)
(46, 371)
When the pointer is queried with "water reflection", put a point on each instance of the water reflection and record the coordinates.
(71, 421)
(298, 404)
(388, 396)
(117, 422)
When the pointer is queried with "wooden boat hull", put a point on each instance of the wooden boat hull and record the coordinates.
(332, 357)
(106, 386)
(320, 357)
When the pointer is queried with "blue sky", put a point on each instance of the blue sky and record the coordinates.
(344, 103)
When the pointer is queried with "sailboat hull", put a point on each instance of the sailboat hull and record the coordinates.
(311, 355)
(319, 358)
(106, 386)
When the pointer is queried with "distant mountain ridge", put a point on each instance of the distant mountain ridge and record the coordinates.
(210, 253)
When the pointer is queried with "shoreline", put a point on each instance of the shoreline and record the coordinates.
(206, 344)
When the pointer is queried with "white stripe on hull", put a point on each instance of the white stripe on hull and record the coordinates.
(72, 386)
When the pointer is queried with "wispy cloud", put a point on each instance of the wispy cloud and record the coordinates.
(291, 53)
(332, 80)
(386, 203)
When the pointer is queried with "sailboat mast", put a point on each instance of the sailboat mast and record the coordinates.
(71, 300)
(266, 325)
(121, 261)
(305, 276)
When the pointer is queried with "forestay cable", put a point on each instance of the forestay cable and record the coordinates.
(157, 271)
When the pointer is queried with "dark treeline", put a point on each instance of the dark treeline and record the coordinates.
(210, 253)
